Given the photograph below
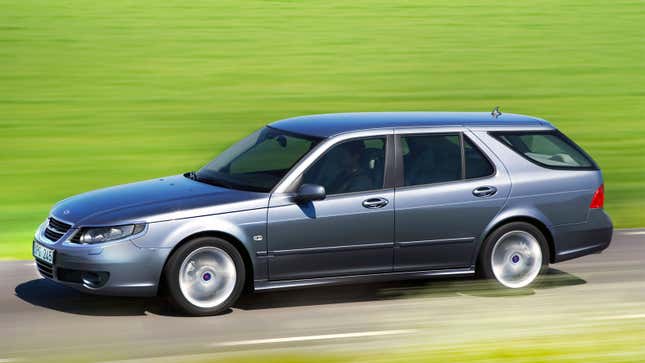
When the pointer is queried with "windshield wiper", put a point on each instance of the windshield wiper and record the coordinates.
(221, 183)
(216, 182)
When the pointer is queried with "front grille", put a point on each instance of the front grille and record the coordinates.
(58, 225)
(56, 229)
(45, 269)
(53, 236)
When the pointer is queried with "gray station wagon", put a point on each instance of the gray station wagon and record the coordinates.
(338, 198)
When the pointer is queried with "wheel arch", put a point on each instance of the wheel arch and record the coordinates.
(239, 246)
(533, 220)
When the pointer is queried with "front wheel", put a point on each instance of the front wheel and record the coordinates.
(514, 255)
(205, 276)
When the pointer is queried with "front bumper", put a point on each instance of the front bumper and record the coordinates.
(114, 268)
(580, 239)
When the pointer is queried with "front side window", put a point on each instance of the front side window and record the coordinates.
(351, 166)
(437, 158)
(546, 148)
(259, 161)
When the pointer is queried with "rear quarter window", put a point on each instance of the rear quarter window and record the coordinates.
(550, 149)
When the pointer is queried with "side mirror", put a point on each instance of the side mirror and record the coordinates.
(310, 192)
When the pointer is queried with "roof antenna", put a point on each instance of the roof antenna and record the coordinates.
(496, 112)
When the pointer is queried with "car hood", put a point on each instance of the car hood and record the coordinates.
(167, 198)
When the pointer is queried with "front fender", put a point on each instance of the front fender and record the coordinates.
(248, 227)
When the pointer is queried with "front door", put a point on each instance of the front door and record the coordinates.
(351, 231)
(450, 192)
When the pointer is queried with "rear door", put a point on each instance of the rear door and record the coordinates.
(448, 190)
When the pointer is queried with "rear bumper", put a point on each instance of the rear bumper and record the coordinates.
(580, 239)
(120, 268)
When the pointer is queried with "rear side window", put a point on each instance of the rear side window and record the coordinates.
(431, 159)
(549, 149)
(477, 165)
(437, 158)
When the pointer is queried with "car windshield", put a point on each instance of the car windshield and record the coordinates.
(258, 162)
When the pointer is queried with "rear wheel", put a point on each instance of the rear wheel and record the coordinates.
(205, 276)
(514, 255)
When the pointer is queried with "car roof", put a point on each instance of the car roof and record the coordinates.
(326, 125)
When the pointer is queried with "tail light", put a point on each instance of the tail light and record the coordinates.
(598, 200)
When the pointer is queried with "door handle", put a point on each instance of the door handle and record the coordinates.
(483, 192)
(373, 203)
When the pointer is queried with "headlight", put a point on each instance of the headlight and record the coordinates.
(105, 234)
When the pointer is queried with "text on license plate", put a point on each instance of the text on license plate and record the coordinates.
(43, 253)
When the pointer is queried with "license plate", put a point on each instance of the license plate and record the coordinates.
(43, 253)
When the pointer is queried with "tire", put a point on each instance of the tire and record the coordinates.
(514, 255)
(205, 276)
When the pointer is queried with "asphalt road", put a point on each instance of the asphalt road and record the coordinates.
(40, 320)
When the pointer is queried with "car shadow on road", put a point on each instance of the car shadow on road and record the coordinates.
(431, 288)
(44, 293)
(47, 294)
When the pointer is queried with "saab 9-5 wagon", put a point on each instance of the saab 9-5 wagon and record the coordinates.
(338, 198)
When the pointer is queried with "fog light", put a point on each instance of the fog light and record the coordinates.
(94, 279)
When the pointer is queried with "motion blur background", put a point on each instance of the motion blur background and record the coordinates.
(94, 94)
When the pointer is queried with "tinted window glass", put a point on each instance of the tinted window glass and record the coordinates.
(431, 159)
(477, 166)
(546, 148)
(352, 166)
(258, 162)
(278, 153)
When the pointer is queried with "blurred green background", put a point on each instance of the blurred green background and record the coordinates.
(94, 94)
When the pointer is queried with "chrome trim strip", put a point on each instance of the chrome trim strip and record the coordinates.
(41, 238)
(49, 227)
(60, 220)
(297, 251)
(442, 241)
(264, 285)
(453, 128)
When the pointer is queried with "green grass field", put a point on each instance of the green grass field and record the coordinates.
(94, 94)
